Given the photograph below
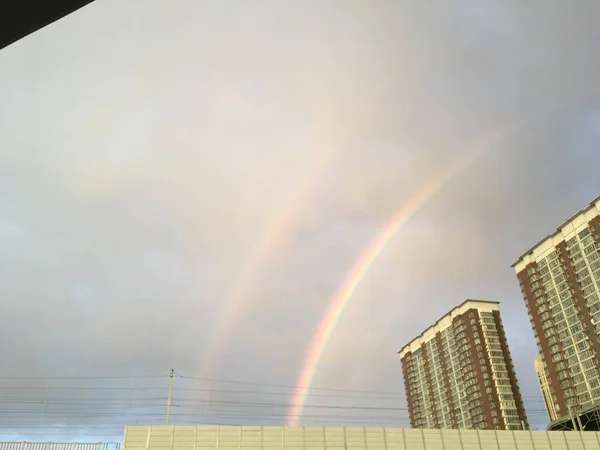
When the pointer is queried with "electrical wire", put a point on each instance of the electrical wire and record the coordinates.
(87, 377)
(96, 408)
(354, 392)
(288, 386)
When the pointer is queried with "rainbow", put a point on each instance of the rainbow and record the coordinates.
(344, 292)
(273, 238)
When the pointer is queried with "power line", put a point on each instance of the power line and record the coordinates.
(89, 423)
(297, 387)
(210, 391)
(255, 404)
(210, 412)
(93, 377)
(101, 412)
(60, 408)
(400, 395)
(76, 400)
(71, 388)
(220, 391)
(84, 418)
(287, 386)
(206, 415)
(48, 404)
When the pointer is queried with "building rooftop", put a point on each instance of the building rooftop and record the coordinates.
(457, 310)
(558, 230)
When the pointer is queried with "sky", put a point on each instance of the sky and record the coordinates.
(186, 186)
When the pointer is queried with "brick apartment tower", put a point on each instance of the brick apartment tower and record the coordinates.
(459, 374)
(544, 379)
(560, 282)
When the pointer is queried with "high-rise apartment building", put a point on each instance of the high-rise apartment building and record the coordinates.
(459, 374)
(543, 378)
(560, 282)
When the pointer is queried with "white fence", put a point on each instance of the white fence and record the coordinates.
(178, 437)
(53, 446)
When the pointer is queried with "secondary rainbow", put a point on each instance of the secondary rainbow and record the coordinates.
(271, 239)
(344, 292)
(332, 143)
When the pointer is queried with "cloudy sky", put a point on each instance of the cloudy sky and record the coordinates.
(185, 187)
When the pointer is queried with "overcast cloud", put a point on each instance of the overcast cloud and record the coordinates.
(147, 147)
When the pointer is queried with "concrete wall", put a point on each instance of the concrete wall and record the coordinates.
(341, 438)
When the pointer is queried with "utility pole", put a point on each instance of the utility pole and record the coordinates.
(169, 396)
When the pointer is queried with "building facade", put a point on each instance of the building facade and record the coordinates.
(560, 282)
(459, 374)
(543, 378)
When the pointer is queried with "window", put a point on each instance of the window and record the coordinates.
(591, 374)
(572, 361)
(565, 294)
(585, 242)
(588, 364)
(585, 397)
(572, 320)
(589, 290)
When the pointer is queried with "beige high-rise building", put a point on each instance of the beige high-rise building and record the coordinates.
(543, 379)
(458, 373)
(560, 282)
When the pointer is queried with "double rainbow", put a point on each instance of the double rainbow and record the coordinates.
(332, 139)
